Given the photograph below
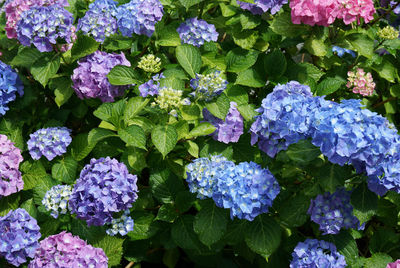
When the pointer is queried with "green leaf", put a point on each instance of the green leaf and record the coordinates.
(386, 70)
(203, 129)
(303, 152)
(237, 94)
(361, 43)
(8, 203)
(249, 21)
(275, 64)
(83, 46)
(144, 227)
(188, 3)
(133, 136)
(293, 212)
(236, 231)
(282, 25)
(189, 58)
(112, 247)
(329, 85)
(190, 112)
(263, 235)
(316, 46)
(26, 57)
(167, 213)
(85, 232)
(250, 78)
(238, 59)
(183, 234)
(124, 75)
(41, 188)
(29, 206)
(45, 68)
(65, 170)
(395, 90)
(117, 42)
(13, 130)
(193, 148)
(32, 173)
(303, 72)
(220, 107)
(346, 245)
(384, 240)
(365, 203)
(62, 89)
(164, 138)
(210, 223)
(133, 108)
(165, 185)
(168, 36)
(378, 260)
(332, 176)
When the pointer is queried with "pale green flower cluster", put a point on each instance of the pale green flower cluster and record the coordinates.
(170, 99)
(150, 63)
(56, 199)
(389, 33)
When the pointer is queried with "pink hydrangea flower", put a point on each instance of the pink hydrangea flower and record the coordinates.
(361, 82)
(395, 264)
(353, 10)
(10, 158)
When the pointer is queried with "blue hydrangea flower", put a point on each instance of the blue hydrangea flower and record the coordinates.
(152, 86)
(207, 87)
(10, 84)
(19, 236)
(56, 199)
(316, 253)
(341, 51)
(104, 187)
(49, 142)
(100, 20)
(122, 225)
(261, 6)
(43, 25)
(333, 212)
(203, 173)
(196, 32)
(139, 17)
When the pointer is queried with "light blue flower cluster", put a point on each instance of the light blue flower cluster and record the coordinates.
(122, 225)
(139, 17)
(316, 253)
(10, 84)
(43, 25)
(19, 236)
(246, 189)
(261, 6)
(100, 20)
(333, 212)
(56, 199)
(49, 142)
(196, 31)
(341, 51)
(207, 87)
(151, 87)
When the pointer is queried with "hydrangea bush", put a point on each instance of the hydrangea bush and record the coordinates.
(253, 133)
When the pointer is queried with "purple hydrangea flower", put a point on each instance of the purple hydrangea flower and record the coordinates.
(229, 130)
(10, 84)
(104, 187)
(139, 17)
(66, 250)
(100, 20)
(261, 6)
(196, 31)
(209, 86)
(90, 77)
(341, 51)
(152, 86)
(19, 236)
(10, 158)
(122, 225)
(333, 212)
(43, 25)
(316, 253)
(56, 199)
(203, 174)
(49, 142)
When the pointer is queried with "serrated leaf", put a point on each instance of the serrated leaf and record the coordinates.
(220, 107)
(329, 85)
(41, 188)
(378, 260)
(275, 64)
(29, 206)
(189, 58)
(165, 185)
(303, 151)
(164, 138)
(168, 36)
(167, 213)
(183, 234)
(83, 46)
(112, 247)
(238, 59)
(26, 57)
(188, 3)
(32, 174)
(236, 231)
(62, 89)
(45, 68)
(8, 203)
(361, 43)
(250, 78)
(293, 212)
(65, 170)
(282, 25)
(134, 107)
(203, 129)
(346, 245)
(85, 232)
(143, 226)
(193, 148)
(124, 75)
(365, 203)
(133, 136)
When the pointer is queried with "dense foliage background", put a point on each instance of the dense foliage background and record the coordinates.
(254, 53)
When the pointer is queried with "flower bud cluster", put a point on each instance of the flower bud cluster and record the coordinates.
(207, 87)
(150, 63)
(56, 199)
(388, 33)
(361, 82)
(170, 99)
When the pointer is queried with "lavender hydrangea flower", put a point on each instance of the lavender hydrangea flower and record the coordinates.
(66, 250)
(104, 187)
(19, 236)
(196, 31)
(100, 20)
(139, 17)
(10, 158)
(341, 51)
(229, 130)
(261, 6)
(90, 77)
(49, 142)
(317, 253)
(122, 225)
(333, 212)
(209, 86)
(56, 199)
(203, 174)
(43, 25)
(10, 84)
(151, 87)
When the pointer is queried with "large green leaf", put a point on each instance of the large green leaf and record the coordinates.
(133, 136)
(83, 46)
(189, 58)
(164, 138)
(45, 68)
(26, 57)
(65, 170)
(165, 185)
(112, 247)
(303, 151)
(293, 211)
(329, 85)
(144, 227)
(8, 203)
(275, 64)
(188, 3)
(361, 43)
(365, 203)
(346, 245)
(183, 234)
(124, 75)
(238, 59)
(282, 25)
(203, 129)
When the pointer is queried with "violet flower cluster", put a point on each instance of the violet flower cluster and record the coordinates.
(207, 87)
(151, 87)
(43, 25)
(10, 85)
(19, 236)
(65, 250)
(10, 158)
(139, 17)
(316, 253)
(90, 77)
(261, 6)
(228, 130)
(56, 199)
(196, 32)
(342, 51)
(104, 187)
(122, 225)
(49, 142)
(246, 189)
(100, 20)
(332, 212)
(395, 264)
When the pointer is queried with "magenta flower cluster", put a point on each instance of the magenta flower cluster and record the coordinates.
(104, 187)
(10, 158)
(68, 251)
(90, 77)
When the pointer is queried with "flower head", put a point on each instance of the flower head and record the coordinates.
(361, 82)
(354, 10)
(152, 86)
(388, 32)
(207, 87)
(122, 225)
(261, 6)
(196, 31)
(10, 84)
(341, 51)
(10, 158)
(169, 99)
(56, 199)
(395, 264)
(150, 63)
